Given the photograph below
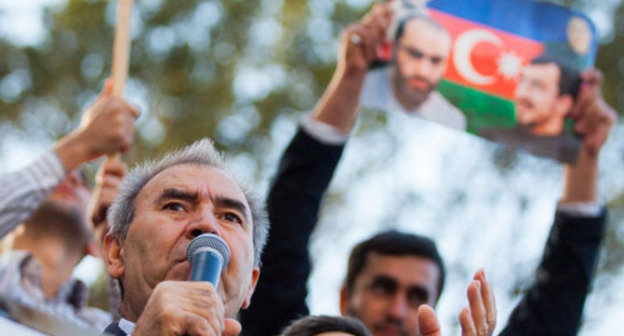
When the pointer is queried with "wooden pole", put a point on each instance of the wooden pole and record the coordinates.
(121, 51)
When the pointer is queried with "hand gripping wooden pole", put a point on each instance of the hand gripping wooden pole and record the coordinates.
(121, 51)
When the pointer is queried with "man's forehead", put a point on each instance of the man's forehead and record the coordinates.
(545, 72)
(578, 23)
(405, 268)
(204, 180)
(334, 333)
(420, 32)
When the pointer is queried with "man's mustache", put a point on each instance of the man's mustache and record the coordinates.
(421, 79)
(392, 322)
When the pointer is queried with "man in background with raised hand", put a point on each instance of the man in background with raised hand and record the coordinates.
(553, 304)
(50, 198)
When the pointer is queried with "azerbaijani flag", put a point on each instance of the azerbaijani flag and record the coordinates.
(492, 41)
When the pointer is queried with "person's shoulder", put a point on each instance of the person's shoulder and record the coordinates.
(114, 330)
(95, 317)
(436, 97)
(454, 116)
(375, 89)
(378, 73)
(376, 80)
(14, 259)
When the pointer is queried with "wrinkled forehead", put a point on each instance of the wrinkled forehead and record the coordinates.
(204, 180)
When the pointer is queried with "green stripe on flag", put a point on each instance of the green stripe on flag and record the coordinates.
(482, 110)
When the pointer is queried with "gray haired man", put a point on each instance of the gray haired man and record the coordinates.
(160, 208)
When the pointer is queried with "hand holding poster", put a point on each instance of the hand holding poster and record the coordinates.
(508, 71)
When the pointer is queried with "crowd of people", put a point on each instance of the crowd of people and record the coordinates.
(141, 222)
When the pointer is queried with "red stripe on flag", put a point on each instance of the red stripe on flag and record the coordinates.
(485, 58)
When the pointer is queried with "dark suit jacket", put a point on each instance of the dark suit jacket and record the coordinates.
(552, 306)
(113, 330)
(304, 173)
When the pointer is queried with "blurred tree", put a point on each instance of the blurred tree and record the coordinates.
(232, 69)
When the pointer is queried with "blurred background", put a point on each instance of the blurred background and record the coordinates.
(244, 72)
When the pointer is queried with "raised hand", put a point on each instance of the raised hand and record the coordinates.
(478, 319)
(107, 181)
(106, 127)
(594, 117)
(192, 308)
(360, 41)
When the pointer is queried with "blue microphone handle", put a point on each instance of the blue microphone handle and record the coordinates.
(206, 266)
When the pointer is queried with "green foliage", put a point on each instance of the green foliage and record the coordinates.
(193, 68)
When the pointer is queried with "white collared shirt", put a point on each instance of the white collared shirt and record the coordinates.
(126, 326)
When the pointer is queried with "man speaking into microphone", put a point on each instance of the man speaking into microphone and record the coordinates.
(161, 207)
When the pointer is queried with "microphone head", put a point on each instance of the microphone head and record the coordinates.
(211, 242)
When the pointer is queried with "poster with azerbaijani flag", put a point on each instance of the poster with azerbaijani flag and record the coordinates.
(506, 70)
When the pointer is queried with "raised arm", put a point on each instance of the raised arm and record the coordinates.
(358, 49)
(106, 127)
(553, 305)
(304, 173)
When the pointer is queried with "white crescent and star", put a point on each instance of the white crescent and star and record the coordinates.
(464, 44)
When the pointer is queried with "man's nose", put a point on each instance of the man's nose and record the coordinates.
(521, 90)
(420, 67)
(203, 221)
(399, 307)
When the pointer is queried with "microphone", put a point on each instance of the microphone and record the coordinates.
(208, 255)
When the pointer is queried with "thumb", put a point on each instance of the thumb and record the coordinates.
(108, 88)
(232, 327)
(428, 324)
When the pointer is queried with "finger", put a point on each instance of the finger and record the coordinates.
(379, 26)
(129, 128)
(232, 327)
(591, 89)
(134, 110)
(206, 311)
(593, 78)
(591, 121)
(377, 11)
(489, 300)
(428, 324)
(370, 43)
(586, 98)
(477, 308)
(205, 301)
(575, 113)
(197, 326)
(467, 325)
(108, 192)
(108, 88)
(116, 105)
(111, 170)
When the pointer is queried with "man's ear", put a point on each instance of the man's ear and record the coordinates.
(255, 275)
(564, 105)
(113, 257)
(344, 301)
